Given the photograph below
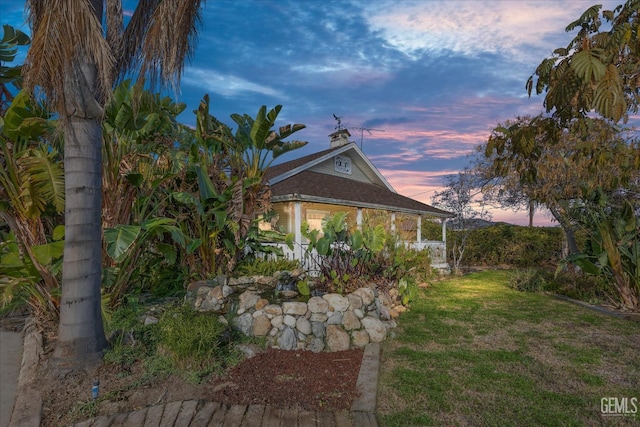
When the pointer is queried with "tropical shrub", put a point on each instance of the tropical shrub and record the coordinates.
(31, 205)
(345, 258)
(134, 247)
(575, 284)
(224, 194)
(613, 249)
(349, 259)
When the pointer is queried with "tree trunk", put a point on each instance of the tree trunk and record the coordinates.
(81, 338)
(532, 209)
(568, 232)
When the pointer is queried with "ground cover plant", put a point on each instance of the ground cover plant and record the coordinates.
(472, 351)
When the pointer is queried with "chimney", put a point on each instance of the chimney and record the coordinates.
(339, 138)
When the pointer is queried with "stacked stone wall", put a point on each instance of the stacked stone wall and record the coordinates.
(331, 322)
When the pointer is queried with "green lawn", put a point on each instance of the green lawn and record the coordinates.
(473, 352)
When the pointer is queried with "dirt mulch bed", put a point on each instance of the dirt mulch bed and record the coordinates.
(293, 379)
(284, 379)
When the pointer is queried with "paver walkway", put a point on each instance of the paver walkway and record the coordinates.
(198, 413)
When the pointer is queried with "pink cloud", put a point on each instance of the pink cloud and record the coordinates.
(422, 185)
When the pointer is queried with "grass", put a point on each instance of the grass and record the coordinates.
(472, 351)
(185, 343)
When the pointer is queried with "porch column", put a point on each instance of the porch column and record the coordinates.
(297, 230)
(359, 218)
(419, 227)
(393, 223)
(444, 231)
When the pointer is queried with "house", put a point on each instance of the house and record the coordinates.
(342, 179)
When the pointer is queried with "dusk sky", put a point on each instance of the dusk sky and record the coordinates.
(431, 77)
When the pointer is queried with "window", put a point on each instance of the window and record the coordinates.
(314, 219)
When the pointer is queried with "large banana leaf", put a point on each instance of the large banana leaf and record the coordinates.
(159, 226)
(24, 119)
(47, 176)
(120, 239)
(47, 253)
(374, 238)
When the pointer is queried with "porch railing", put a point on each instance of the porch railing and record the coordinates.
(436, 248)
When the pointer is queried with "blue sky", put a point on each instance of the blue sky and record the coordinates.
(432, 77)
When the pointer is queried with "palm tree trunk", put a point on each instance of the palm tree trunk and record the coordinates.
(81, 337)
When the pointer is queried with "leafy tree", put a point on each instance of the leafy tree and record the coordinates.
(597, 70)
(74, 61)
(553, 167)
(460, 198)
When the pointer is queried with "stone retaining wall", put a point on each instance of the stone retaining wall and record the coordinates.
(332, 322)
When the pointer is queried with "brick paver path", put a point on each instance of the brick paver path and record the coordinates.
(197, 413)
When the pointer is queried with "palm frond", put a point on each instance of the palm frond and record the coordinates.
(66, 35)
(159, 37)
(115, 28)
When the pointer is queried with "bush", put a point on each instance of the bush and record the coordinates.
(576, 285)
(591, 289)
(514, 246)
(530, 280)
(349, 259)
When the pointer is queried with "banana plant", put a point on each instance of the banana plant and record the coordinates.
(230, 193)
(139, 157)
(32, 193)
(259, 145)
(127, 244)
(254, 146)
(140, 166)
(11, 40)
(614, 234)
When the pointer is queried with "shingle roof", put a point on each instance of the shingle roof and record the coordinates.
(315, 185)
(285, 167)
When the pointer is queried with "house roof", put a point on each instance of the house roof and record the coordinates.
(323, 188)
(300, 179)
(281, 169)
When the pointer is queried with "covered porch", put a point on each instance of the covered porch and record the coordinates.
(416, 229)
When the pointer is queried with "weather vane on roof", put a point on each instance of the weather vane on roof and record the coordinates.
(339, 120)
